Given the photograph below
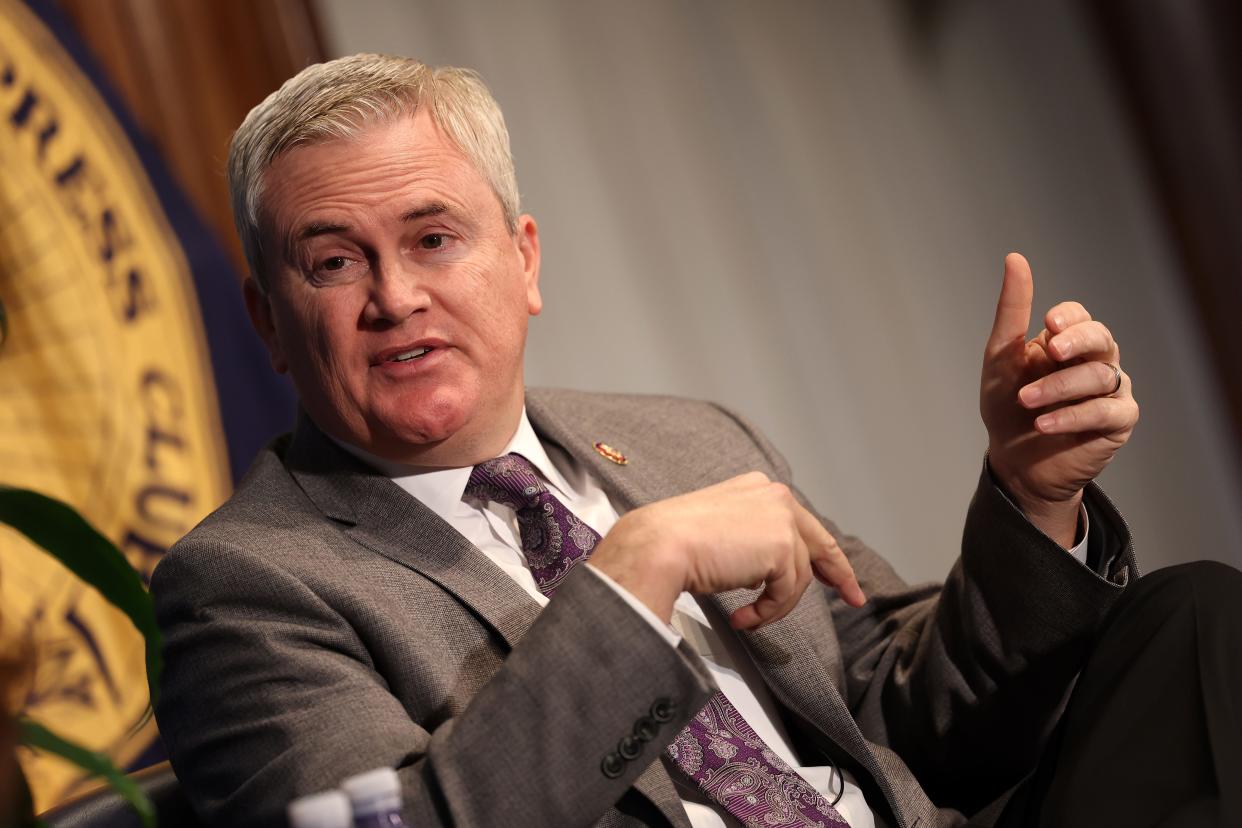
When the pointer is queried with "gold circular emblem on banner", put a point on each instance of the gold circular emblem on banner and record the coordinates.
(106, 393)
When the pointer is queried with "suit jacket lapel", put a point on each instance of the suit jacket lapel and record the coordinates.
(378, 514)
(790, 660)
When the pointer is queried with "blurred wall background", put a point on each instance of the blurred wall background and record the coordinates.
(800, 209)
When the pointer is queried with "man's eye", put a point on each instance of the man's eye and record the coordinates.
(336, 270)
(431, 241)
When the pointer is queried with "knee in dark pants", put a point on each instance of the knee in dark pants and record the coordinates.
(1213, 584)
(1197, 587)
(1151, 737)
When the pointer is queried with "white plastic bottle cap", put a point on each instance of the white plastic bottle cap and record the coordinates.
(329, 809)
(373, 792)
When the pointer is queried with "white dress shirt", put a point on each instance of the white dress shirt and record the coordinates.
(493, 528)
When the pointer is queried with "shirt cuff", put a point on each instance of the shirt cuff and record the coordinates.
(1080, 549)
(670, 635)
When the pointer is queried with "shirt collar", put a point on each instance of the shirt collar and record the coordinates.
(441, 490)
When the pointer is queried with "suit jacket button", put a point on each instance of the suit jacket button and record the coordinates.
(612, 766)
(663, 710)
(629, 747)
(646, 728)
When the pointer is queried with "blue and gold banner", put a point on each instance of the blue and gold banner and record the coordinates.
(130, 384)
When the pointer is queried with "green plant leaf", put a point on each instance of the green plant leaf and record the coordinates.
(35, 735)
(59, 529)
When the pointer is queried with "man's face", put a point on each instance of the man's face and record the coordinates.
(398, 298)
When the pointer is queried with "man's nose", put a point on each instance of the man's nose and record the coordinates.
(396, 292)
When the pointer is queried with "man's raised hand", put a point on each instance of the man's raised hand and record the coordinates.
(745, 532)
(1057, 407)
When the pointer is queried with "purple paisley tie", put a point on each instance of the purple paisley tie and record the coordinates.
(718, 749)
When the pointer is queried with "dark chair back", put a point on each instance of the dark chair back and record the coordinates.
(107, 809)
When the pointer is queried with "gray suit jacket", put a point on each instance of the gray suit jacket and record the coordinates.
(322, 622)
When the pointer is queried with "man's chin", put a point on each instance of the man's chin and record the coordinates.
(446, 429)
(415, 438)
(422, 440)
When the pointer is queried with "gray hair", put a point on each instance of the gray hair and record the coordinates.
(340, 98)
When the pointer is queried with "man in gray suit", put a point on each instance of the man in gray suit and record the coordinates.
(404, 580)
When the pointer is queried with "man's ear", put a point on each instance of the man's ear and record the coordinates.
(528, 247)
(259, 305)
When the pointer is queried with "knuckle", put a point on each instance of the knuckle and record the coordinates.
(1088, 337)
(1069, 310)
(1105, 337)
(781, 490)
(756, 477)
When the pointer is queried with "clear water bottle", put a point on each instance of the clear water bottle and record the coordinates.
(322, 810)
(376, 799)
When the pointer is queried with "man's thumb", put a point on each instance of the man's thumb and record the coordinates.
(1013, 308)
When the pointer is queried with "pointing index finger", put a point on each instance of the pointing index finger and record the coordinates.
(828, 561)
(1013, 308)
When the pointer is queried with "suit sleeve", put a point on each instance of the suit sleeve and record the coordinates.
(965, 680)
(269, 694)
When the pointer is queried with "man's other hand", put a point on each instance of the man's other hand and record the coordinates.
(745, 532)
(1057, 407)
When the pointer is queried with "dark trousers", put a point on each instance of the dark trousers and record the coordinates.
(1152, 735)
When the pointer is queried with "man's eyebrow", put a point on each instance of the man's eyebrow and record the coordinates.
(435, 208)
(320, 228)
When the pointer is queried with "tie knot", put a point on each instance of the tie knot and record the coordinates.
(510, 480)
(553, 538)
